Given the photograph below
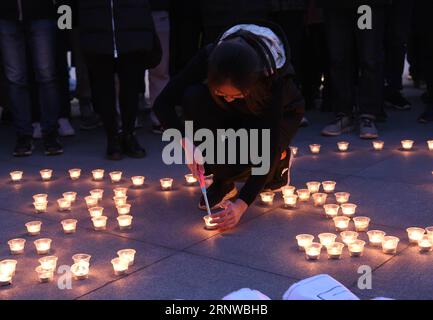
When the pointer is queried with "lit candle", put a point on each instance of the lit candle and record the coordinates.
(415, 234)
(137, 181)
(120, 266)
(313, 186)
(378, 145)
(348, 209)
(348, 236)
(312, 252)
(96, 212)
(190, 179)
(16, 246)
(44, 275)
(5, 279)
(315, 148)
(209, 225)
(116, 176)
(304, 241)
(40, 206)
(48, 262)
(407, 144)
(389, 244)
(80, 271)
(33, 228)
(303, 194)
(290, 200)
(326, 239)
(16, 176)
(166, 183)
(82, 258)
(128, 255)
(430, 145)
(125, 222)
(98, 174)
(335, 250)
(341, 223)
(425, 244)
(294, 151)
(100, 223)
(331, 210)
(343, 146)
(375, 237)
(69, 226)
(8, 266)
(46, 174)
(91, 201)
(75, 174)
(429, 231)
(97, 193)
(64, 204)
(40, 198)
(329, 186)
(120, 192)
(361, 224)
(123, 209)
(43, 245)
(70, 196)
(356, 248)
(120, 201)
(319, 199)
(342, 197)
(287, 190)
(267, 197)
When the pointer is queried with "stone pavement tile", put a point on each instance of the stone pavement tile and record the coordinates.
(186, 276)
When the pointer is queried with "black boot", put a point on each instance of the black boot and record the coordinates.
(24, 146)
(114, 147)
(132, 148)
(52, 144)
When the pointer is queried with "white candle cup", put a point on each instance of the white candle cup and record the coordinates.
(16, 246)
(97, 193)
(100, 223)
(120, 192)
(348, 209)
(120, 201)
(313, 186)
(304, 240)
(48, 262)
(288, 190)
(349, 237)
(312, 252)
(116, 176)
(429, 231)
(326, 239)
(319, 199)
(407, 144)
(69, 226)
(64, 204)
(43, 246)
(335, 250)
(430, 145)
(91, 201)
(128, 255)
(390, 244)
(98, 174)
(343, 146)
(361, 223)
(120, 266)
(290, 201)
(425, 244)
(341, 223)
(33, 228)
(375, 237)
(209, 225)
(8, 267)
(415, 234)
(40, 207)
(315, 148)
(74, 174)
(303, 195)
(329, 186)
(16, 176)
(342, 197)
(46, 174)
(190, 179)
(44, 275)
(40, 198)
(166, 183)
(125, 222)
(82, 258)
(331, 210)
(356, 248)
(96, 212)
(70, 196)
(80, 271)
(123, 209)
(378, 145)
(294, 151)
(267, 197)
(5, 280)
(137, 181)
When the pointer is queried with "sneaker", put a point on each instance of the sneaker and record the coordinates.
(132, 148)
(65, 128)
(304, 123)
(52, 145)
(342, 124)
(396, 100)
(37, 131)
(90, 122)
(217, 194)
(114, 148)
(367, 128)
(24, 146)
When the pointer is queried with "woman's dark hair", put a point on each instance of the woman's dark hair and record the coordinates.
(235, 62)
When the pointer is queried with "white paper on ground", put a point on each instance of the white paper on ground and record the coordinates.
(246, 294)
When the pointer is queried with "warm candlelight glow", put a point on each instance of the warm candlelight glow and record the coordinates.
(16, 246)
(312, 252)
(389, 244)
(341, 223)
(343, 146)
(267, 197)
(81, 258)
(100, 223)
(430, 145)
(43, 246)
(287, 190)
(415, 234)
(123, 209)
(98, 174)
(348, 236)
(425, 244)
(69, 226)
(120, 266)
(137, 181)
(40, 206)
(407, 144)
(304, 240)
(361, 224)
(429, 231)
(329, 186)
(313, 186)
(315, 148)
(116, 176)
(48, 262)
(209, 225)
(331, 210)
(375, 237)
(127, 255)
(64, 204)
(46, 174)
(294, 151)
(75, 174)
(97, 193)
(326, 239)
(342, 197)
(166, 183)
(40, 198)
(16, 176)
(319, 199)
(290, 201)
(33, 228)
(91, 201)
(8, 267)
(70, 196)
(44, 275)
(190, 179)
(80, 271)
(378, 145)
(5, 279)
(303, 194)
(96, 212)
(356, 248)
(120, 192)
(335, 250)
(125, 222)
(348, 209)
(120, 201)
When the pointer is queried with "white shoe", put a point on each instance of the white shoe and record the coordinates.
(65, 128)
(37, 131)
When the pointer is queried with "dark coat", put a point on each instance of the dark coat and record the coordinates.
(288, 5)
(351, 3)
(30, 10)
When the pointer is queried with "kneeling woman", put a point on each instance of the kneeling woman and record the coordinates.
(242, 81)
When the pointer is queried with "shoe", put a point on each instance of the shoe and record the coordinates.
(304, 123)
(280, 178)
(65, 128)
(37, 131)
(114, 147)
(426, 116)
(52, 145)
(24, 146)
(132, 148)
(395, 99)
(367, 128)
(90, 122)
(217, 194)
(341, 124)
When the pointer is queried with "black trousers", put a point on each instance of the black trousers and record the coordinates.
(130, 70)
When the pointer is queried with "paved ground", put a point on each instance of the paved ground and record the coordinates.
(178, 259)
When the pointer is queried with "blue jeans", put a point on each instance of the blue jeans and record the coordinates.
(38, 38)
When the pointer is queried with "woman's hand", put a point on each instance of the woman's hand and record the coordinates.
(231, 215)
